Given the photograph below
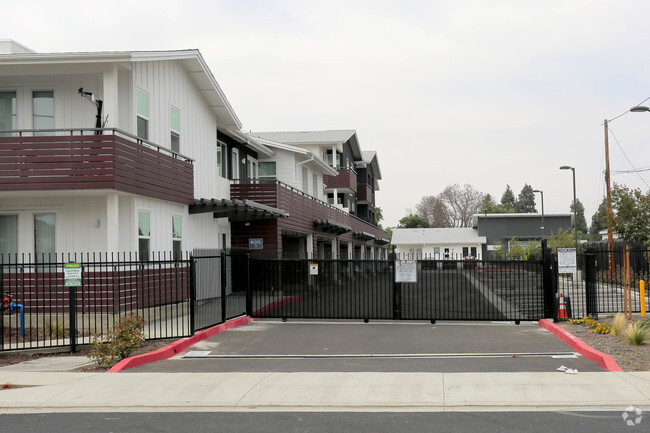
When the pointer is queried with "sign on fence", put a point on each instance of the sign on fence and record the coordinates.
(72, 274)
(566, 260)
(255, 243)
(313, 269)
(406, 271)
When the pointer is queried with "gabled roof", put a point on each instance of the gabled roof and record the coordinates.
(331, 137)
(299, 150)
(437, 236)
(192, 60)
(370, 158)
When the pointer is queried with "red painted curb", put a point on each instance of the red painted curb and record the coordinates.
(177, 346)
(600, 358)
(275, 305)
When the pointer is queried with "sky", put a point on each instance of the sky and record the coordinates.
(486, 93)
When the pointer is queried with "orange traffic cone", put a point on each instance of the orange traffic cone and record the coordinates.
(561, 314)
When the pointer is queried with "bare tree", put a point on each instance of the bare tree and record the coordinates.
(453, 207)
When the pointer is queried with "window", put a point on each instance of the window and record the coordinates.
(221, 159)
(252, 168)
(8, 236)
(44, 236)
(142, 109)
(144, 234)
(314, 181)
(267, 169)
(177, 236)
(7, 112)
(235, 164)
(175, 124)
(43, 110)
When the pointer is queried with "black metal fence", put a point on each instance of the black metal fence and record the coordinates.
(598, 287)
(175, 296)
(363, 289)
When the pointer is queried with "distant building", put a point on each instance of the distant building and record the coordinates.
(437, 243)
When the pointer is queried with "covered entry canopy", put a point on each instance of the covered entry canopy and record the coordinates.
(236, 210)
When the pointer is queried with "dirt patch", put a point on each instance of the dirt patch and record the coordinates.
(15, 357)
(628, 356)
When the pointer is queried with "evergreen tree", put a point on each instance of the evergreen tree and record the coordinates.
(508, 200)
(581, 222)
(413, 222)
(526, 200)
(598, 221)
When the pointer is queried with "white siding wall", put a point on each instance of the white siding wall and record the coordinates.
(168, 84)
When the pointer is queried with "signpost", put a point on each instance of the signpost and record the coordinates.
(72, 274)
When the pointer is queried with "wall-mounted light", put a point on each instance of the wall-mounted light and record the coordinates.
(247, 224)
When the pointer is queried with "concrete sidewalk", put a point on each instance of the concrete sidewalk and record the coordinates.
(56, 392)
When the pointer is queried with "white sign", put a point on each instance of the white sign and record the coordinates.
(492, 247)
(313, 269)
(566, 260)
(406, 271)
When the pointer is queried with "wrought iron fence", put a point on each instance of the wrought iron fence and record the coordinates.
(40, 311)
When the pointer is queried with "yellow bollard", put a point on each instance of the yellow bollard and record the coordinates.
(642, 296)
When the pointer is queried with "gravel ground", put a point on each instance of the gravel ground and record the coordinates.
(628, 356)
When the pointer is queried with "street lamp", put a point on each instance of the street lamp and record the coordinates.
(542, 194)
(575, 207)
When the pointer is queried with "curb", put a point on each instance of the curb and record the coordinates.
(600, 358)
(177, 346)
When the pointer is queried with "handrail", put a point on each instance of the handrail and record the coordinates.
(95, 131)
(268, 181)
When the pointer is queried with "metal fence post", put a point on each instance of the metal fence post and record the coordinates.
(224, 282)
(192, 293)
(397, 297)
(72, 301)
(249, 290)
(591, 296)
(549, 288)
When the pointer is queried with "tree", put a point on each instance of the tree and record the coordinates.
(562, 239)
(508, 200)
(598, 221)
(434, 210)
(413, 222)
(453, 207)
(581, 222)
(379, 216)
(526, 200)
(631, 214)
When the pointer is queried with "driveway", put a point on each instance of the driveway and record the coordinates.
(378, 346)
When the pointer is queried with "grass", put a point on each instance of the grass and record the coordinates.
(620, 324)
(636, 333)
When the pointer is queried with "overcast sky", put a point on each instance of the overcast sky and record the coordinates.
(487, 93)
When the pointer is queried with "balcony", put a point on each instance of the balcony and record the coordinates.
(365, 195)
(70, 160)
(304, 210)
(345, 181)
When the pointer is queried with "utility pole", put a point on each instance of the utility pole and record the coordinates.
(610, 236)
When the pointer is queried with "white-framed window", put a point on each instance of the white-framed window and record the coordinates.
(222, 151)
(8, 110)
(235, 164)
(44, 236)
(175, 127)
(43, 110)
(8, 235)
(177, 237)
(142, 111)
(252, 167)
(267, 169)
(144, 234)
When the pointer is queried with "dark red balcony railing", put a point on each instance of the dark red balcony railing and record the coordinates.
(114, 160)
(346, 179)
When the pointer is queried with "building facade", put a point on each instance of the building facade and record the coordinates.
(142, 152)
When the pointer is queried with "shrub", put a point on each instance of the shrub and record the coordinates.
(120, 342)
(55, 329)
(636, 334)
(620, 323)
(590, 322)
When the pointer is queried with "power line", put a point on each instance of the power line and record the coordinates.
(634, 169)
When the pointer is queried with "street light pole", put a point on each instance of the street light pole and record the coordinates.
(575, 207)
(542, 194)
(610, 236)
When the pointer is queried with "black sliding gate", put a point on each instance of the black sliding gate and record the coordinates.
(366, 289)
